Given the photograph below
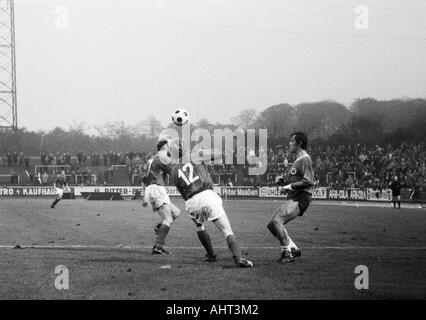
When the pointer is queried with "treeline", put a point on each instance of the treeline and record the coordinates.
(117, 139)
(366, 121)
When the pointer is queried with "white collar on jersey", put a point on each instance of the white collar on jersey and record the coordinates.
(305, 155)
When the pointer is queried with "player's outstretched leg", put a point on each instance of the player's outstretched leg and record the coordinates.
(222, 223)
(54, 203)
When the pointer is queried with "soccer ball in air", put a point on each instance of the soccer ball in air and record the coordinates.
(180, 117)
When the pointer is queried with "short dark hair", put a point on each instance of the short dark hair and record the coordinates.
(301, 139)
(160, 144)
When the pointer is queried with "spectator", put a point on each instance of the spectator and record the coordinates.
(415, 193)
(43, 158)
(44, 178)
(9, 159)
(27, 162)
(21, 157)
(14, 178)
(14, 159)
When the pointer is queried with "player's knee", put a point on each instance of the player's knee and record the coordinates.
(222, 223)
(175, 213)
(167, 221)
(227, 232)
(200, 227)
(273, 227)
(230, 238)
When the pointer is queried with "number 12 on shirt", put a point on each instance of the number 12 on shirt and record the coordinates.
(189, 178)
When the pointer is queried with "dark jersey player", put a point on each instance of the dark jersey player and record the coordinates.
(194, 183)
(395, 186)
(155, 194)
(299, 186)
(60, 183)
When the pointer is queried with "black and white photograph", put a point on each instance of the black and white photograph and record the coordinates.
(210, 155)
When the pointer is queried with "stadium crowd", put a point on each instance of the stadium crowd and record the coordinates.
(349, 166)
(344, 166)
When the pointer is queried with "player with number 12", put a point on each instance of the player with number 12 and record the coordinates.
(195, 185)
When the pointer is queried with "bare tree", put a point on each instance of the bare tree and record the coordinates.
(151, 127)
(116, 130)
(245, 119)
(106, 130)
(78, 127)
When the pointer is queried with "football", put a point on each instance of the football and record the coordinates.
(180, 117)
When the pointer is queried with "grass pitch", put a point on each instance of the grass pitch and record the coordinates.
(106, 246)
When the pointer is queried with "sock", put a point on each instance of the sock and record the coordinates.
(399, 204)
(55, 202)
(291, 244)
(233, 246)
(161, 236)
(285, 248)
(394, 204)
(205, 240)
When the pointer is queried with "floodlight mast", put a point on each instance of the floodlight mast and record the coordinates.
(8, 101)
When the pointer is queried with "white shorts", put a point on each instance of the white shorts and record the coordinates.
(156, 196)
(59, 193)
(205, 206)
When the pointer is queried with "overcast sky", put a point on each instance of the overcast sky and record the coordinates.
(124, 60)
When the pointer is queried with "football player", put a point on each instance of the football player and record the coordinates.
(155, 194)
(194, 183)
(60, 183)
(299, 186)
(395, 186)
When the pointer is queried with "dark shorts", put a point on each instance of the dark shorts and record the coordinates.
(303, 199)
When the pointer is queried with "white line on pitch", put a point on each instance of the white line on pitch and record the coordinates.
(361, 204)
(66, 247)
